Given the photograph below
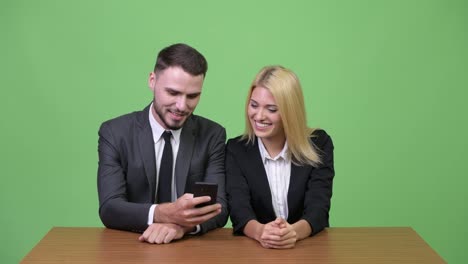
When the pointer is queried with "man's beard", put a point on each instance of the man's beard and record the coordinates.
(161, 117)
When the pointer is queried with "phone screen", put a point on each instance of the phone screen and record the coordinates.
(205, 189)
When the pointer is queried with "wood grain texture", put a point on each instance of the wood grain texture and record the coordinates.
(333, 245)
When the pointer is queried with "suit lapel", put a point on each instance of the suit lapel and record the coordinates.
(184, 155)
(298, 174)
(146, 145)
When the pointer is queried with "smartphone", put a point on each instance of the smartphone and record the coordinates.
(205, 189)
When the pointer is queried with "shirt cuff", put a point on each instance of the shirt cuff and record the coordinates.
(197, 230)
(151, 214)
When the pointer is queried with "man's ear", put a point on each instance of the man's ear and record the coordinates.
(151, 81)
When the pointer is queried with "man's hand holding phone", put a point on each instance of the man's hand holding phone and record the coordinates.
(186, 210)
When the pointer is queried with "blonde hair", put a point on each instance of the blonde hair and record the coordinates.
(286, 89)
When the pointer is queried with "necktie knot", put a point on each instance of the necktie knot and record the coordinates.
(167, 136)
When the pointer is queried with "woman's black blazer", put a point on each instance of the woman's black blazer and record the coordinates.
(249, 196)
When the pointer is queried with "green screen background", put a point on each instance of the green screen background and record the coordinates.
(386, 79)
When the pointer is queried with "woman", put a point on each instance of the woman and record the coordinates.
(279, 172)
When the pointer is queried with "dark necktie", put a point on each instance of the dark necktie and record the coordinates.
(165, 171)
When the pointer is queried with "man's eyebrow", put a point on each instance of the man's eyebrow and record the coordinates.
(170, 89)
(194, 94)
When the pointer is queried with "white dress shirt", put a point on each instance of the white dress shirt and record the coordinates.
(278, 170)
(157, 131)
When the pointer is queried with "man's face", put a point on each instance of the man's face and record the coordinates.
(176, 94)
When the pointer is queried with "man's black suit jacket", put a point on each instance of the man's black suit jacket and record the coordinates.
(249, 195)
(127, 168)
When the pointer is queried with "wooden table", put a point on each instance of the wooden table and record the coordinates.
(333, 245)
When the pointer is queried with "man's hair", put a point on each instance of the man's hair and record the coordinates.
(184, 56)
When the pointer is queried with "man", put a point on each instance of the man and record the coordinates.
(150, 159)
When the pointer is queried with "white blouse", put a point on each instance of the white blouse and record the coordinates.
(278, 170)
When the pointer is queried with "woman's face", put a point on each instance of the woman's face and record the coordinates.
(264, 115)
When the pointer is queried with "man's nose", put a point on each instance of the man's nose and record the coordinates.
(181, 103)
